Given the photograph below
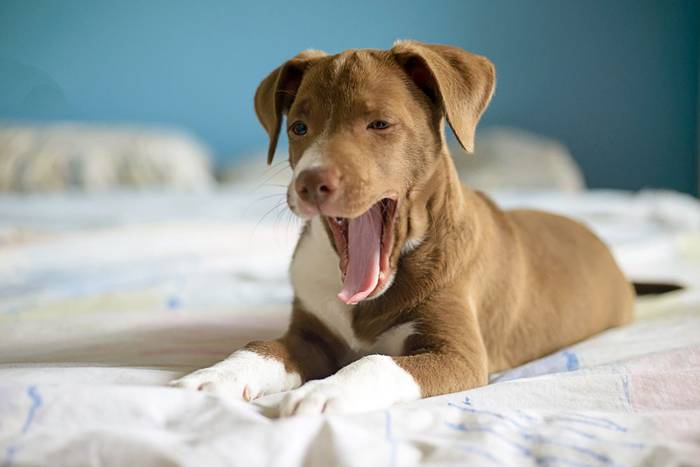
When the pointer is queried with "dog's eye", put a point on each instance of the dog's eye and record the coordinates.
(299, 128)
(378, 125)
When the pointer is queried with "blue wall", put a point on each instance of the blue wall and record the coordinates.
(615, 80)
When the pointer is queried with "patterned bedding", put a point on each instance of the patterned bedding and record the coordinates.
(104, 298)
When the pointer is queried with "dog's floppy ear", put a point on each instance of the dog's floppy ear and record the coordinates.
(276, 93)
(461, 83)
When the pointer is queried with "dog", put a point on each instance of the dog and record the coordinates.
(406, 283)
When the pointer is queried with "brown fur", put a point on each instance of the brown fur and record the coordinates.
(486, 289)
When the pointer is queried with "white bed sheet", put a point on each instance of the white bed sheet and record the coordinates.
(105, 299)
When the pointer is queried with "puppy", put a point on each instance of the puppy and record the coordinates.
(407, 284)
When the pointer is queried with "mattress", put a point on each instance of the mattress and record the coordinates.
(104, 298)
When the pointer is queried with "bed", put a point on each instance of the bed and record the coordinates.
(104, 298)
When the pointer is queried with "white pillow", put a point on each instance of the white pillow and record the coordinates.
(88, 157)
(513, 159)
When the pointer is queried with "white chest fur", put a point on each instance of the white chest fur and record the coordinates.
(316, 280)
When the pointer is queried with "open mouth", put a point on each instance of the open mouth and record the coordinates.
(364, 245)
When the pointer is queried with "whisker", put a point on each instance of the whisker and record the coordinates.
(272, 195)
(261, 199)
(270, 176)
(278, 215)
(291, 219)
(276, 206)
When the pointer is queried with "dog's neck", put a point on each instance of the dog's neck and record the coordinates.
(436, 202)
(439, 219)
(446, 200)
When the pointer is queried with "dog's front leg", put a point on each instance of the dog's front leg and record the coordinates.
(379, 381)
(262, 368)
(430, 367)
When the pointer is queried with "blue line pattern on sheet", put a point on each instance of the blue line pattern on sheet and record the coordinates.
(572, 363)
(523, 424)
(513, 422)
(559, 362)
(581, 433)
(483, 453)
(626, 390)
(594, 421)
(173, 303)
(37, 401)
(390, 438)
(521, 449)
(34, 395)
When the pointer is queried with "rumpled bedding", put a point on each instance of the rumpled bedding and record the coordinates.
(105, 298)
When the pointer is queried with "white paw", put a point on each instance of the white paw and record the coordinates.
(219, 382)
(317, 397)
(244, 375)
(371, 383)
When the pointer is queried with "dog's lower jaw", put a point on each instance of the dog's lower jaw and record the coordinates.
(383, 287)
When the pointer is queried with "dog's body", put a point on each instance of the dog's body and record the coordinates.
(438, 286)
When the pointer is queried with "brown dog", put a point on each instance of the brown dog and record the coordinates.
(408, 284)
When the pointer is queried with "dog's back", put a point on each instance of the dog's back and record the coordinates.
(542, 282)
(569, 259)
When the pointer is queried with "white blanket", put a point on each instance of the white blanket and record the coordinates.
(105, 299)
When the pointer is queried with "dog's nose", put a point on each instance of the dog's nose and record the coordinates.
(316, 186)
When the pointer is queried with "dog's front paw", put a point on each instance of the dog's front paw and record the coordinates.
(244, 375)
(317, 397)
(371, 383)
(215, 380)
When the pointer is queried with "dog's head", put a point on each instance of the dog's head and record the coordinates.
(365, 127)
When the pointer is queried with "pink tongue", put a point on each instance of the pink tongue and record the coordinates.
(364, 240)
